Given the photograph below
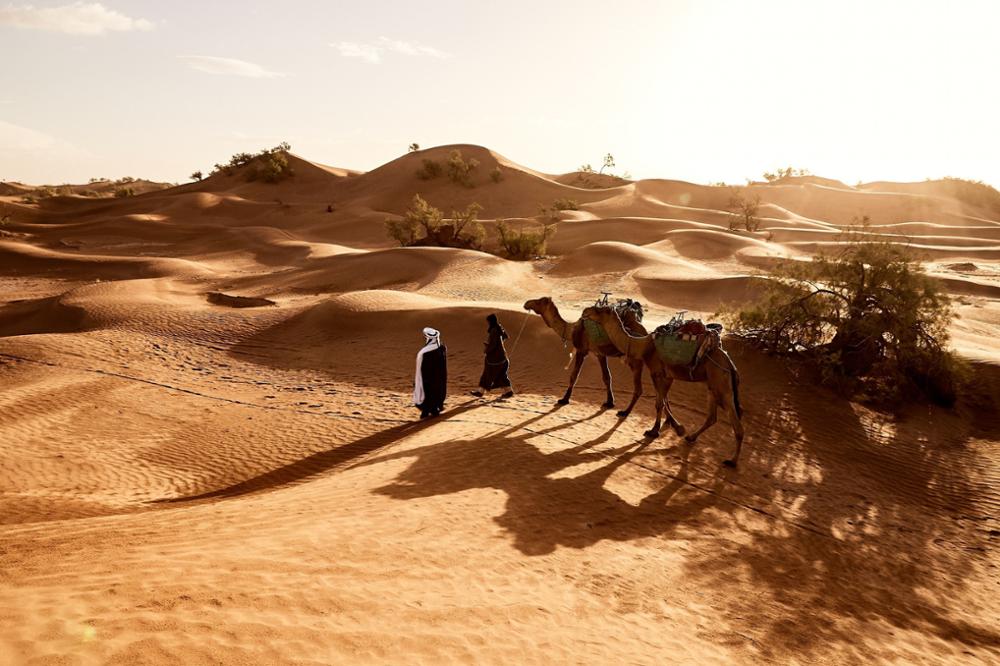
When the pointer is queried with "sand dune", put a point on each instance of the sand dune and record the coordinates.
(185, 481)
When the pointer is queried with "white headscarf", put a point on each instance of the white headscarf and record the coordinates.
(433, 338)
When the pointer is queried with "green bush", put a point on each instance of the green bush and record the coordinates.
(460, 171)
(867, 318)
(565, 204)
(521, 244)
(429, 170)
(423, 224)
(270, 165)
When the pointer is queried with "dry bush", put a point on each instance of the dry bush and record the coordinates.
(496, 175)
(429, 170)
(269, 165)
(521, 244)
(743, 211)
(459, 170)
(867, 318)
(565, 204)
(123, 192)
(424, 225)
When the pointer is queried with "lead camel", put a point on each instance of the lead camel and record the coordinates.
(575, 333)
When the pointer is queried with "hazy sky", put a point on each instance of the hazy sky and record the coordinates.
(696, 90)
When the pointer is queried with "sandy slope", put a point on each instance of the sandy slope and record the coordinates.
(184, 482)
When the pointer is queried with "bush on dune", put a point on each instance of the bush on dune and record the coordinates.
(867, 318)
(521, 244)
(424, 225)
(269, 165)
(743, 211)
(457, 169)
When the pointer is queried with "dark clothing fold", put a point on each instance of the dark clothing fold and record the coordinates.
(496, 364)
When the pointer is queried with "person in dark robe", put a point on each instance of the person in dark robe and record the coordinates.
(430, 385)
(496, 364)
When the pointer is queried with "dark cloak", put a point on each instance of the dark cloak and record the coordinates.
(434, 372)
(496, 363)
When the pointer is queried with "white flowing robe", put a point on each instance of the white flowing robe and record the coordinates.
(418, 382)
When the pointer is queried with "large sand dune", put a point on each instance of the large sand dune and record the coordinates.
(185, 481)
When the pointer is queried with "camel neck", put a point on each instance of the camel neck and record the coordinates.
(555, 321)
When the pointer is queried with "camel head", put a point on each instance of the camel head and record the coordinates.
(538, 305)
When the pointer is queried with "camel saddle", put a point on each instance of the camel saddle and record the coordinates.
(597, 334)
(686, 343)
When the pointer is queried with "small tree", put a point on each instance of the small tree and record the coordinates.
(609, 163)
(522, 245)
(867, 317)
(460, 170)
(743, 211)
(782, 174)
(197, 175)
(467, 227)
(414, 147)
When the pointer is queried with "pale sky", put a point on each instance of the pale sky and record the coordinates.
(704, 91)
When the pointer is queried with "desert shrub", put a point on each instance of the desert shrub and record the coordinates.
(88, 193)
(609, 163)
(459, 170)
(97, 180)
(743, 211)
(565, 204)
(586, 168)
(782, 174)
(429, 170)
(424, 224)
(270, 165)
(496, 175)
(197, 175)
(867, 318)
(123, 192)
(414, 147)
(521, 244)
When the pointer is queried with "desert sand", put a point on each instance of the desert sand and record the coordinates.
(187, 482)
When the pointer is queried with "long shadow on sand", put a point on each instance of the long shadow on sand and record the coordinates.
(324, 461)
(882, 516)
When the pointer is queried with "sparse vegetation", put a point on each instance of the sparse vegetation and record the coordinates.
(867, 318)
(609, 163)
(565, 204)
(496, 175)
(586, 168)
(459, 170)
(782, 174)
(123, 192)
(197, 175)
(743, 211)
(414, 147)
(424, 224)
(429, 170)
(269, 165)
(521, 244)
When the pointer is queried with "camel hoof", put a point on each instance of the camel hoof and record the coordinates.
(608, 405)
(652, 433)
(562, 401)
(623, 413)
(679, 429)
(691, 439)
(729, 463)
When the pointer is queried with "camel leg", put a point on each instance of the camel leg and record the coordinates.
(577, 364)
(661, 393)
(671, 421)
(737, 422)
(712, 409)
(636, 388)
(609, 403)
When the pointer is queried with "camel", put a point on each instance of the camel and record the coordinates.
(716, 370)
(576, 335)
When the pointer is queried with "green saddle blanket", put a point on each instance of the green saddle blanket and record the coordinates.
(596, 334)
(675, 351)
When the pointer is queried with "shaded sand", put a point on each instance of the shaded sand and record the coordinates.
(188, 482)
